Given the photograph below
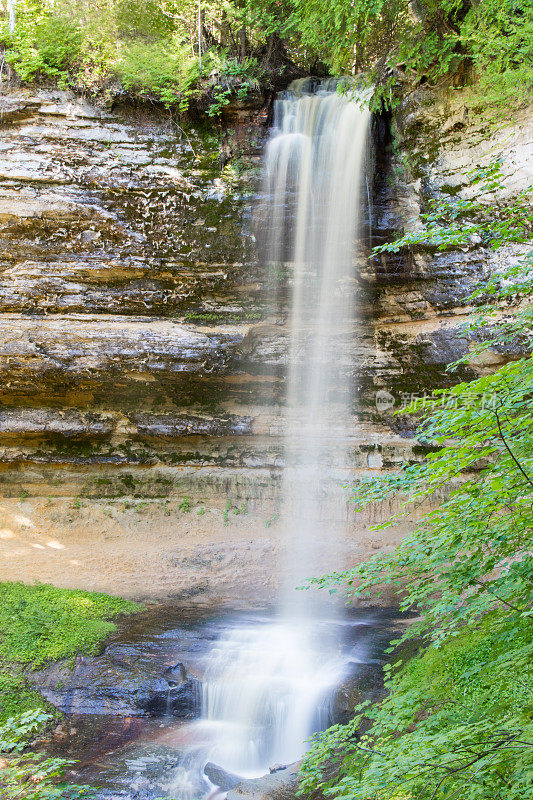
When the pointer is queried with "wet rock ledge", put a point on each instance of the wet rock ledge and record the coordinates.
(118, 686)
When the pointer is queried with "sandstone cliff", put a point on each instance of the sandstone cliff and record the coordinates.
(142, 368)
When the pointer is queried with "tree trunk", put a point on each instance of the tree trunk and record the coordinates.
(225, 37)
(11, 7)
(270, 48)
(200, 35)
(242, 42)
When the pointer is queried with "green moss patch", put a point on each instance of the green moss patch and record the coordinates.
(42, 623)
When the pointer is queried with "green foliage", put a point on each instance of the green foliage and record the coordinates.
(15, 694)
(225, 513)
(233, 78)
(457, 723)
(513, 291)
(163, 70)
(185, 505)
(488, 43)
(29, 775)
(455, 222)
(146, 21)
(40, 622)
(499, 36)
(474, 548)
(349, 36)
(458, 720)
(154, 49)
(17, 731)
(264, 18)
(58, 42)
(43, 45)
(235, 508)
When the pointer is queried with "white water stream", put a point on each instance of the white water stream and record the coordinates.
(267, 689)
(315, 159)
(268, 685)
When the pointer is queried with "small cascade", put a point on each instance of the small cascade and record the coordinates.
(267, 689)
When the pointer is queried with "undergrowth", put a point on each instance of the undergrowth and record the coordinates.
(16, 696)
(142, 49)
(476, 691)
(42, 623)
(28, 775)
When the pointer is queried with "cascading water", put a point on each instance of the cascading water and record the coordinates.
(267, 685)
(267, 689)
(314, 162)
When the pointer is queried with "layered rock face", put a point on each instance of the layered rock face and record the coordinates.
(142, 367)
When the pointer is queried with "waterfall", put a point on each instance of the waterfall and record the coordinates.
(268, 684)
(314, 162)
(267, 689)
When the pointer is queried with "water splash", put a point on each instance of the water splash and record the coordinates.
(267, 689)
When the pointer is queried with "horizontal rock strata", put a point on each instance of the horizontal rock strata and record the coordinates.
(141, 358)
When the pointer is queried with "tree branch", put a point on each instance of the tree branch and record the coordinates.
(517, 462)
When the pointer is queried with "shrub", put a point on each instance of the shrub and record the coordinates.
(163, 70)
(144, 20)
(58, 42)
(48, 46)
(499, 34)
(231, 78)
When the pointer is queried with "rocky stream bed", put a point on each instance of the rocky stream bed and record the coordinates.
(135, 719)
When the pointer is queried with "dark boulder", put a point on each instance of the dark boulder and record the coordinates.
(125, 680)
(154, 697)
(176, 673)
(186, 700)
(158, 698)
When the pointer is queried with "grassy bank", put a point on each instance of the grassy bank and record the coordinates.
(41, 623)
